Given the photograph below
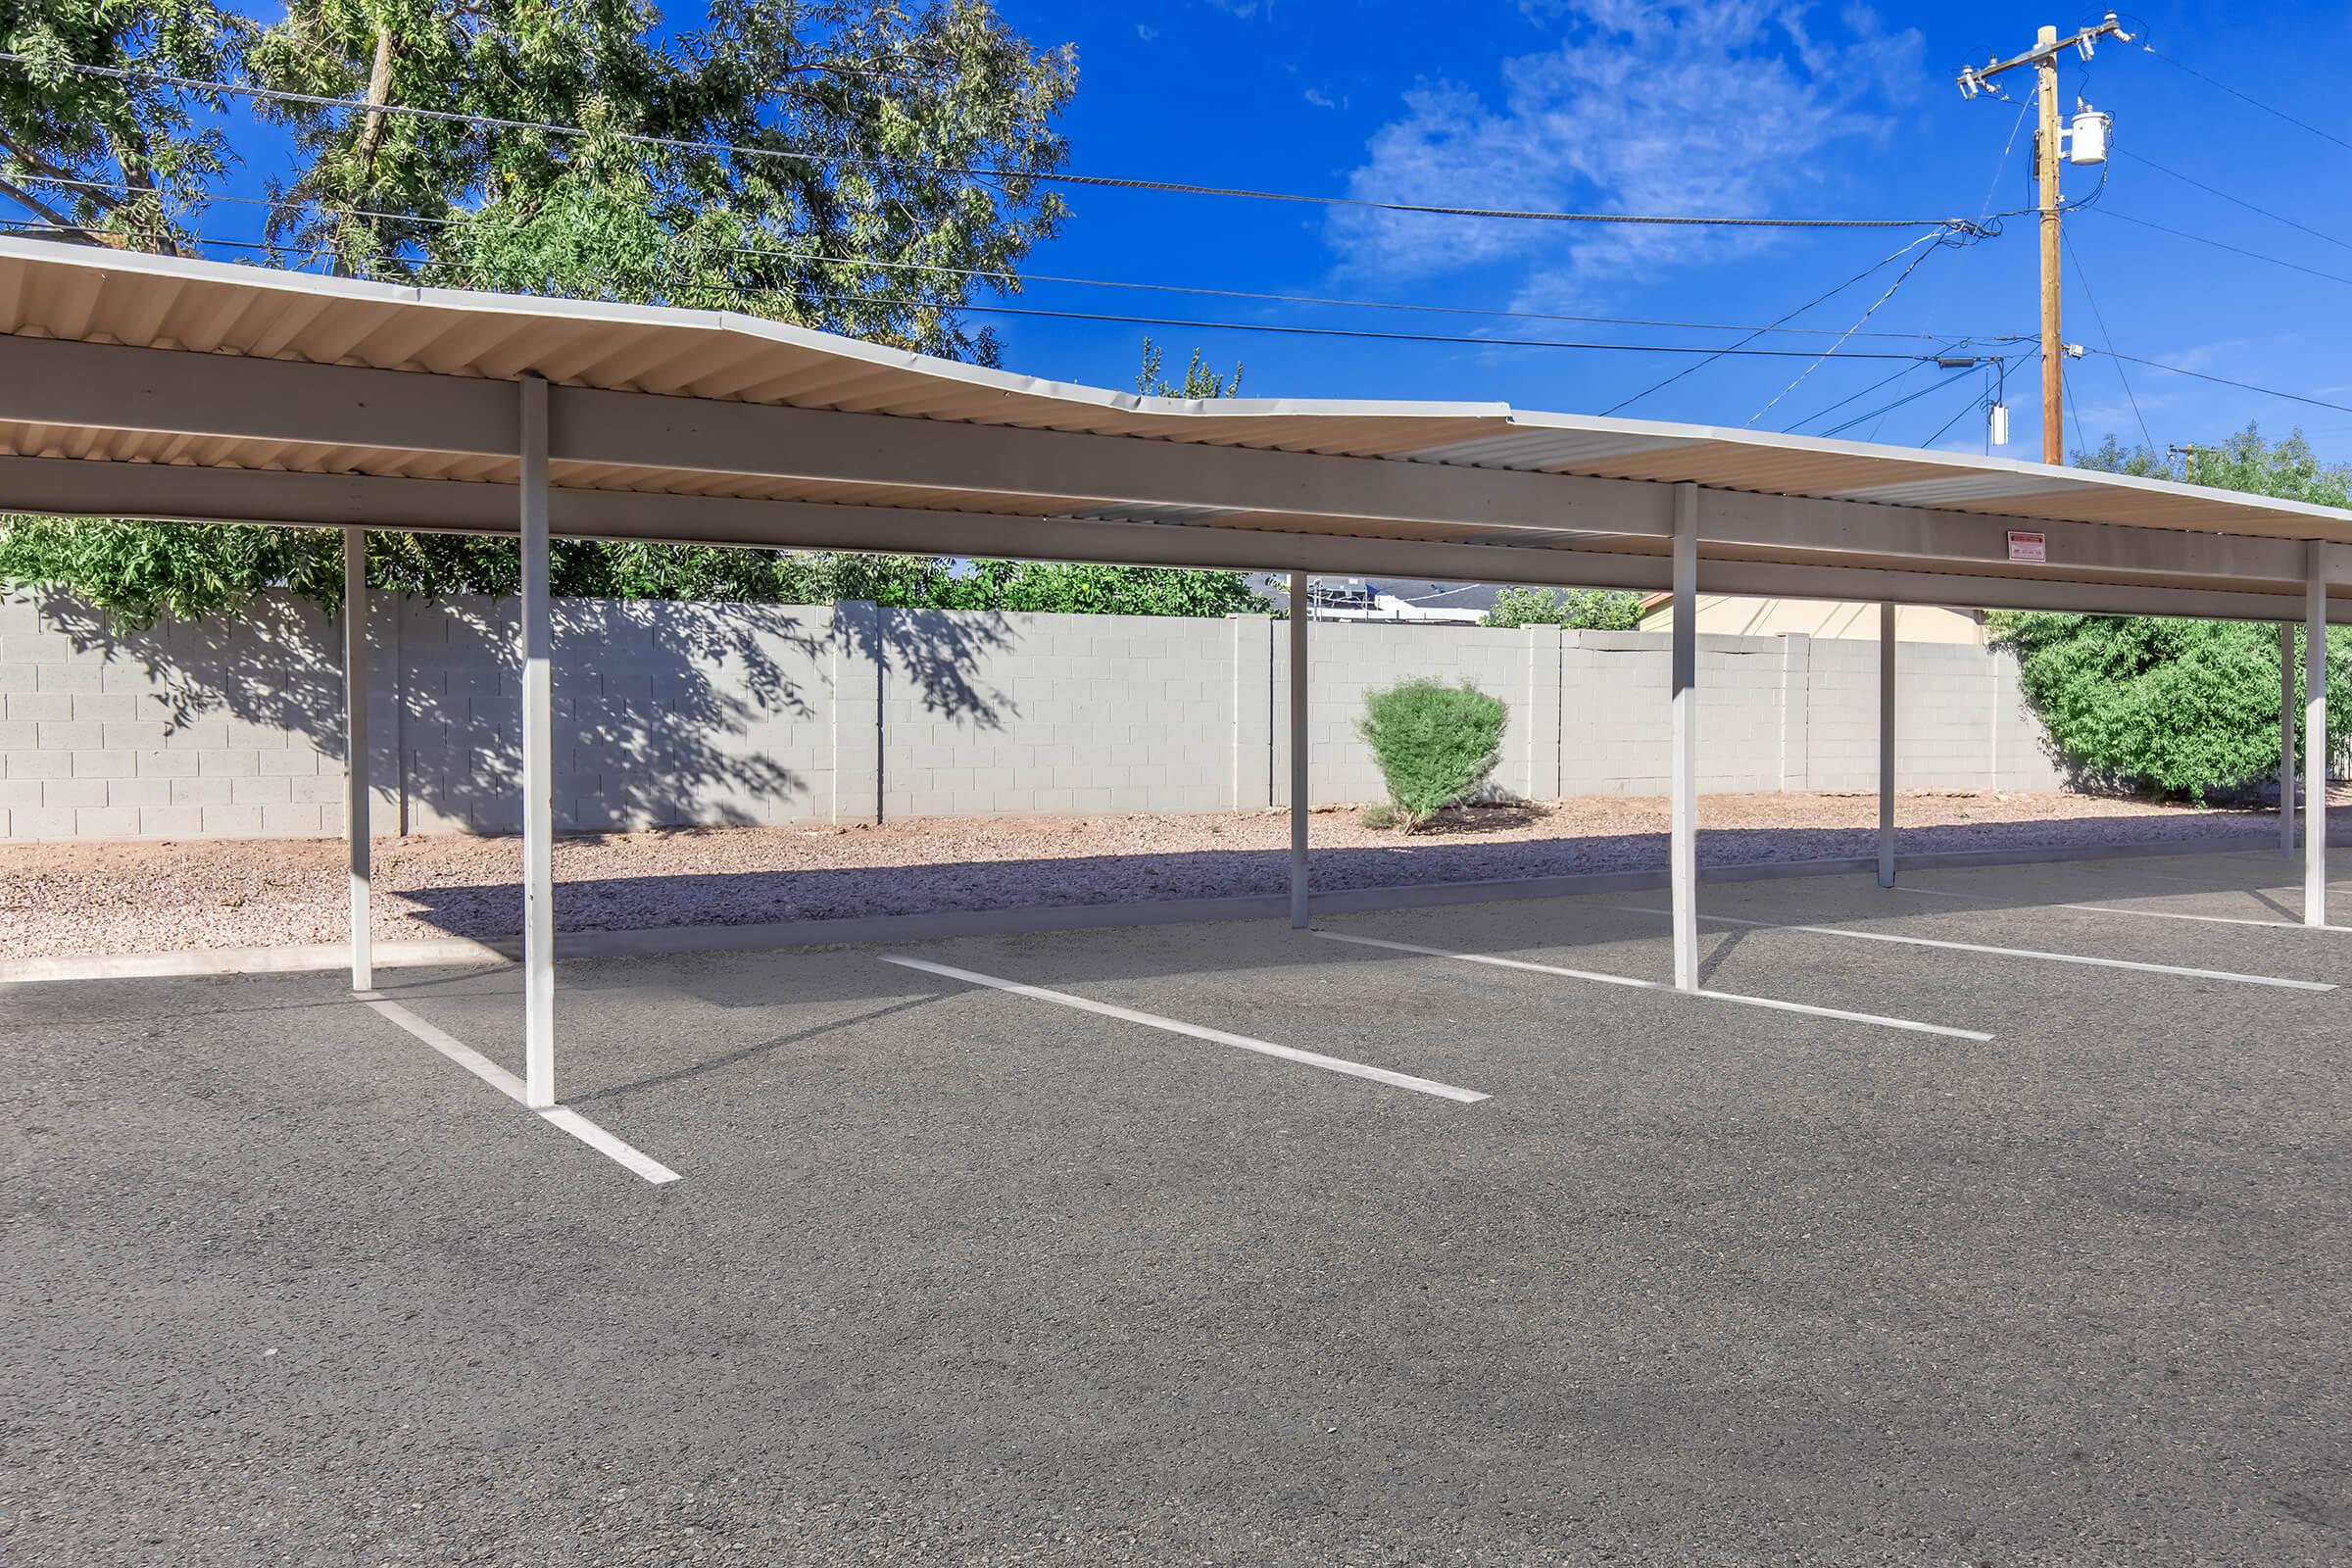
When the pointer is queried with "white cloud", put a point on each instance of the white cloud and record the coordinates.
(1147, 32)
(1658, 106)
(1320, 99)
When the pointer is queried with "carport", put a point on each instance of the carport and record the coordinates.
(141, 386)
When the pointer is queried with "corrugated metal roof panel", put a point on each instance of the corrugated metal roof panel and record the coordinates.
(52, 290)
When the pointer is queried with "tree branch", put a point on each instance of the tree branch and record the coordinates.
(48, 215)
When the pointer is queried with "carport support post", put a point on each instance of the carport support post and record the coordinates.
(538, 767)
(355, 749)
(1299, 612)
(2314, 735)
(2287, 738)
(1886, 744)
(1683, 859)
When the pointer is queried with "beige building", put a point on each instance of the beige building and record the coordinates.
(1737, 616)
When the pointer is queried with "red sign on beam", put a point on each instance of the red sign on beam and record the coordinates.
(2032, 547)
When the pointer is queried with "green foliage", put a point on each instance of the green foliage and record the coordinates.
(1199, 382)
(1084, 590)
(1436, 744)
(1582, 608)
(1378, 818)
(116, 162)
(138, 572)
(848, 210)
(2182, 706)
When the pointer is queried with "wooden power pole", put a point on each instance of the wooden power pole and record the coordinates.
(2044, 58)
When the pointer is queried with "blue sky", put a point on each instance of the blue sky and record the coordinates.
(1714, 105)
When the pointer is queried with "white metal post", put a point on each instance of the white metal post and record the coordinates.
(2315, 737)
(1886, 744)
(1683, 857)
(355, 749)
(2287, 738)
(538, 767)
(1301, 612)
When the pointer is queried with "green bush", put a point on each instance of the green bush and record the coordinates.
(2176, 707)
(1581, 609)
(1435, 744)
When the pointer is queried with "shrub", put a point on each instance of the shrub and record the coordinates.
(1435, 744)
(1582, 610)
(2178, 707)
(1378, 818)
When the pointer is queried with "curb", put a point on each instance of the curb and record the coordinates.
(660, 941)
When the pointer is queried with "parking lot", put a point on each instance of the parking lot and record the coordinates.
(2000, 1217)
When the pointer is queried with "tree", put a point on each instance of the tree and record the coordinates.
(2181, 706)
(1199, 380)
(858, 165)
(105, 160)
(1581, 608)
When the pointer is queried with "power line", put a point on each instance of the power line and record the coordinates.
(1944, 428)
(2304, 124)
(2239, 250)
(980, 172)
(1881, 413)
(1900, 278)
(1001, 277)
(2083, 276)
(2239, 201)
(1659, 386)
(1853, 397)
(2222, 380)
(1289, 329)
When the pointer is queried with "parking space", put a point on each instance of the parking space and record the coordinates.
(1220, 1242)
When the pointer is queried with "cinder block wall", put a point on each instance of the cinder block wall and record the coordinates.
(1033, 714)
(752, 714)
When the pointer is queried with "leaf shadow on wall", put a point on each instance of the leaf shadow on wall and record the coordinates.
(664, 714)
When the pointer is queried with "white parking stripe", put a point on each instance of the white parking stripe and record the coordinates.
(2004, 952)
(1774, 1004)
(1152, 1020)
(506, 1084)
(2110, 909)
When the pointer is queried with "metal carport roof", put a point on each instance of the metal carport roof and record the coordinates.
(158, 386)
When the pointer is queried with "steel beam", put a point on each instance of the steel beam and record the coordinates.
(1683, 855)
(355, 783)
(1301, 614)
(221, 495)
(538, 763)
(1886, 744)
(2315, 740)
(1922, 535)
(2287, 738)
(112, 387)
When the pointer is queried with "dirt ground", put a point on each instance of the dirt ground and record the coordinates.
(69, 899)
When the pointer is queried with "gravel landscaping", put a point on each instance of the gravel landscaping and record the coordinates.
(74, 899)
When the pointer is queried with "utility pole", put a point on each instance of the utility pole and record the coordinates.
(2089, 135)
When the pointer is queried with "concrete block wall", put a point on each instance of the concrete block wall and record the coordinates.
(664, 714)
(205, 731)
(987, 715)
(758, 714)
(1348, 659)
(1615, 688)
(1962, 723)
